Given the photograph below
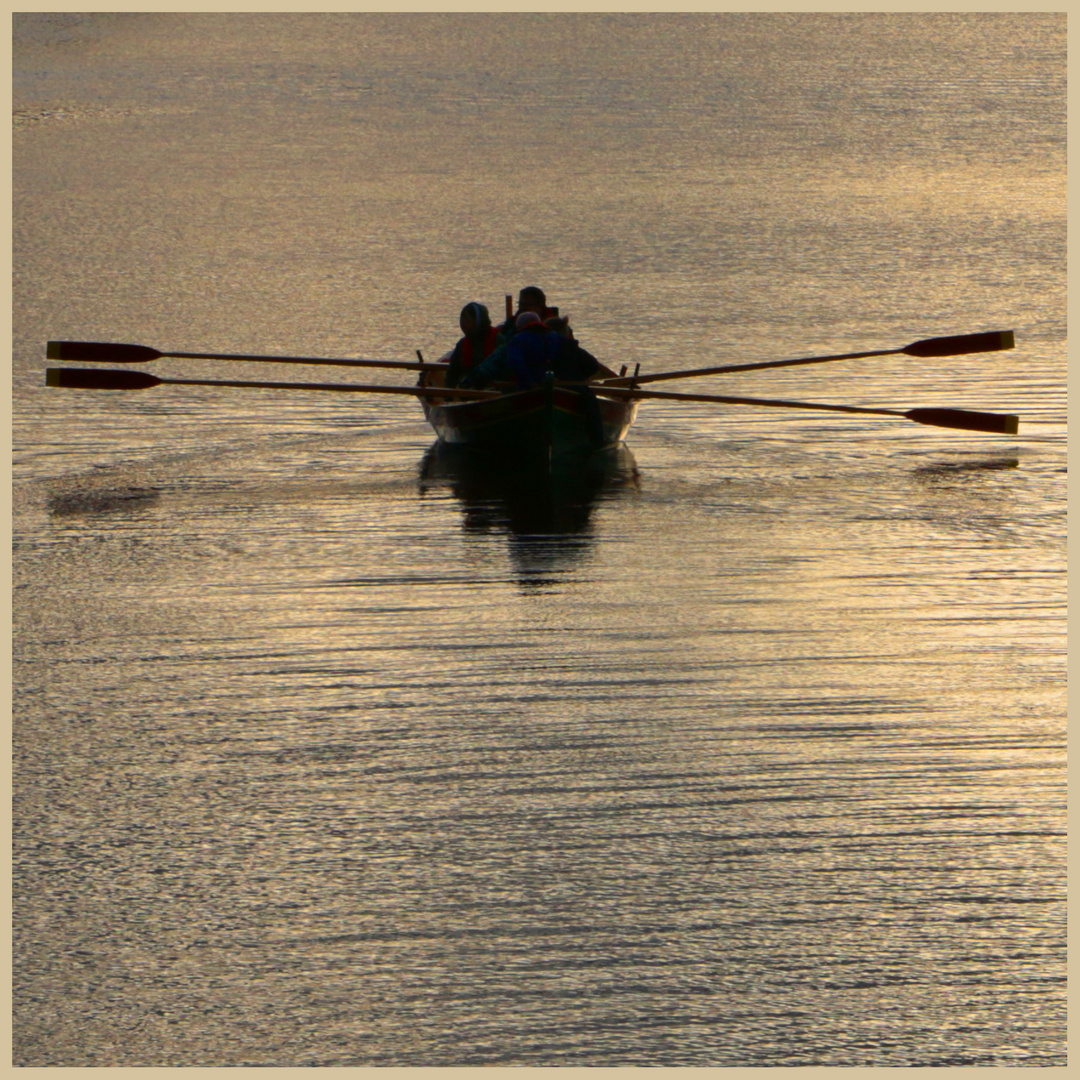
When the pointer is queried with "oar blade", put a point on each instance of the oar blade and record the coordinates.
(91, 379)
(993, 341)
(100, 352)
(965, 420)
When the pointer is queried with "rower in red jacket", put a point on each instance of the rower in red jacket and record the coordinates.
(477, 344)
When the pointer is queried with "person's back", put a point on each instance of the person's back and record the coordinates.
(532, 351)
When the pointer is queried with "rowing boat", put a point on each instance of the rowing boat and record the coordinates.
(553, 418)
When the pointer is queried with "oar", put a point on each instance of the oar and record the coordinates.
(96, 379)
(107, 352)
(950, 418)
(994, 341)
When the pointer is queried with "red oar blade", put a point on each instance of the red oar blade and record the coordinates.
(965, 420)
(93, 379)
(994, 341)
(100, 352)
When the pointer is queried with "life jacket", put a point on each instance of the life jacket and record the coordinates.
(468, 357)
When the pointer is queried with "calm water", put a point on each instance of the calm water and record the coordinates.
(743, 745)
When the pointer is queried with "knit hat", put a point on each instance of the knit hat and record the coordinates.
(527, 318)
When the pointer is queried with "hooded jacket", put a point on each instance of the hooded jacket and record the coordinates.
(531, 353)
(471, 350)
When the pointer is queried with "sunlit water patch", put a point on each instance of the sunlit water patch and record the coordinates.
(742, 744)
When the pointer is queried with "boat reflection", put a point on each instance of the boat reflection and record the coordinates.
(545, 511)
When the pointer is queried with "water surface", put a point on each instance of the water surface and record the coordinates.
(740, 745)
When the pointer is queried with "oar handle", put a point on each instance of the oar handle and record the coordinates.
(728, 399)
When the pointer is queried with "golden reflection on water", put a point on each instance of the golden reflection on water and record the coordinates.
(740, 746)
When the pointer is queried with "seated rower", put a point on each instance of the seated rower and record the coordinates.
(577, 362)
(522, 358)
(476, 346)
(532, 351)
(538, 348)
(531, 298)
(526, 360)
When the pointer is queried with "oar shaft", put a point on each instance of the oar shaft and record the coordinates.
(99, 379)
(957, 345)
(964, 419)
(110, 352)
(727, 399)
(411, 391)
(407, 365)
(630, 380)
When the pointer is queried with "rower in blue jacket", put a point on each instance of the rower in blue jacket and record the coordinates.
(532, 351)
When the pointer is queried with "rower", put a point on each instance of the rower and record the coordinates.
(531, 298)
(477, 344)
(532, 351)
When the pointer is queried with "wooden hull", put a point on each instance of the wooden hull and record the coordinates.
(533, 420)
